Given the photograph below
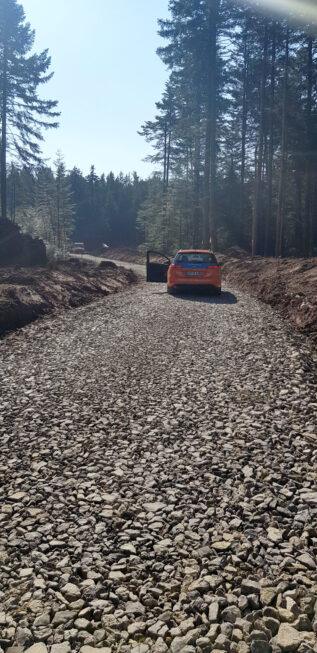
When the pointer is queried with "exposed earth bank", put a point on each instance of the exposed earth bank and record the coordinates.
(29, 293)
(290, 285)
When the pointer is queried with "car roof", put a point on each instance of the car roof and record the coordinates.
(194, 251)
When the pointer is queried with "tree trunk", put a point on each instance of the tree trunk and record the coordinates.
(206, 229)
(268, 223)
(196, 207)
(314, 209)
(168, 158)
(13, 194)
(58, 225)
(298, 232)
(283, 173)
(259, 167)
(3, 153)
(210, 231)
(244, 105)
(165, 155)
(244, 121)
(308, 217)
(166, 215)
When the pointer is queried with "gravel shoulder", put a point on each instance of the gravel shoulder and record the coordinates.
(158, 479)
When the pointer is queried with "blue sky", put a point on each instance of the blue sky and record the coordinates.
(107, 78)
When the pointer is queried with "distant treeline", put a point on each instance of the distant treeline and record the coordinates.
(60, 206)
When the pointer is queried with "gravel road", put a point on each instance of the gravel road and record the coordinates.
(136, 267)
(158, 480)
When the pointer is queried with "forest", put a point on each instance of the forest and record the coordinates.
(233, 142)
(63, 206)
(235, 132)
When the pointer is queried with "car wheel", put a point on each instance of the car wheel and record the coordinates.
(172, 291)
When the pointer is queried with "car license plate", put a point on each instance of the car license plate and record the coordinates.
(193, 274)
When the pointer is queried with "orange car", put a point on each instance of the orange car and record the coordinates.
(191, 268)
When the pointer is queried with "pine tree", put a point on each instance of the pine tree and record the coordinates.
(161, 132)
(64, 208)
(45, 205)
(23, 113)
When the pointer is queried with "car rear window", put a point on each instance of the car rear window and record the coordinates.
(196, 257)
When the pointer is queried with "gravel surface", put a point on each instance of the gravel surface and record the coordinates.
(159, 490)
(138, 268)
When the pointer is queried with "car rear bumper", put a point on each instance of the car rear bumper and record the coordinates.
(183, 287)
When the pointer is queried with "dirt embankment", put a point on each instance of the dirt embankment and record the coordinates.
(290, 285)
(29, 293)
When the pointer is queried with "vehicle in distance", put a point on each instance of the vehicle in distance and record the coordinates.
(78, 248)
(190, 268)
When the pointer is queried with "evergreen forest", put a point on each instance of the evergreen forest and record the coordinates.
(233, 141)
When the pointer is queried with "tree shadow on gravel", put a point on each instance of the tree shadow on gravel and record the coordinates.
(226, 297)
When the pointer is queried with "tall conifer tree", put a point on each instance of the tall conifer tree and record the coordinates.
(23, 113)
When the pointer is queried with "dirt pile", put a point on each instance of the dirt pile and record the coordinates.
(28, 293)
(17, 248)
(290, 285)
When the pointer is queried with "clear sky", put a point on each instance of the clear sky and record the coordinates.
(107, 78)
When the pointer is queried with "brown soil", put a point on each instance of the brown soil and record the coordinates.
(290, 285)
(29, 293)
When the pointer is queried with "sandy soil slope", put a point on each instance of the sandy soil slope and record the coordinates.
(290, 285)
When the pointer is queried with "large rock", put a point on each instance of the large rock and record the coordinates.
(288, 639)
(64, 616)
(275, 535)
(64, 647)
(92, 649)
(260, 646)
(71, 591)
(250, 586)
(37, 648)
